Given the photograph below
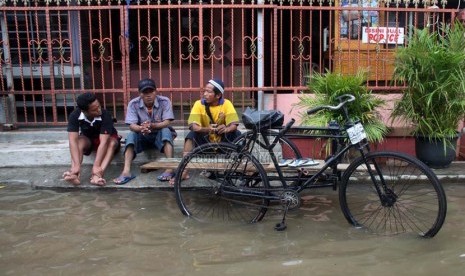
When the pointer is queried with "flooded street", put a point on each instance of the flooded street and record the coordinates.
(45, 232)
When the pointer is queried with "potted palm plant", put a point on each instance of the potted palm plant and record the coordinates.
(326, 88)
(432, 66)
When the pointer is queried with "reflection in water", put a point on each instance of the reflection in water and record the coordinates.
(46, 232)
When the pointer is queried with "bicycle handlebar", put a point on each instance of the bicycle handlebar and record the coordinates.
(344, 99)
(288, 125)
(286, 128)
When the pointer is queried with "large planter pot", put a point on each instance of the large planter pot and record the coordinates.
(432, 153)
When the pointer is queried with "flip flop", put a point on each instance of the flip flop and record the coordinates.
(303, 162)
(122, 179)
(285, 162)
(165, 177)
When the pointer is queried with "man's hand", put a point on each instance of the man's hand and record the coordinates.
(221, 129)
(145, 128)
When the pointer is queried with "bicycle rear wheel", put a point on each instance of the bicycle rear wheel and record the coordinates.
(285, 149)
(410, 200)
(223, 184)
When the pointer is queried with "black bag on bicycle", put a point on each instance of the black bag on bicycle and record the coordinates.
(263, 119)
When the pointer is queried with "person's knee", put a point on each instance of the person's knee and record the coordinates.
(132, 138)
(114, 143)
(190, 136)
(230, 137)
(166, 135)
(196, 139)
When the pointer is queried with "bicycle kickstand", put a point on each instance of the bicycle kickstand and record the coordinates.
(281, 226)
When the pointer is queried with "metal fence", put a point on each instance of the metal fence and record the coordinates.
(51, 51)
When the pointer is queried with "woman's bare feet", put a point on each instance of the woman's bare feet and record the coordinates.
(72, 178)
(96, 179)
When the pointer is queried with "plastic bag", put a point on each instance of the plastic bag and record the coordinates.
(264, 119)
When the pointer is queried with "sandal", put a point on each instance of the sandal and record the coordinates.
(166, 176)
(303, 162)
(185, 175)
(123, 179)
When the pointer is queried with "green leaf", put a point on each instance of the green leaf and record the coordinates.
(324, 89)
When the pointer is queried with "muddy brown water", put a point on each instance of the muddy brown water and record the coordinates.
(47, 232)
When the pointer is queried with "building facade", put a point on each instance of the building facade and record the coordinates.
(264, 50)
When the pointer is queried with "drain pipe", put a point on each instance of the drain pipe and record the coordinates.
(260, 55)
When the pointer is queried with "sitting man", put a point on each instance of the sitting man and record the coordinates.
(148, 117)
(90, 128)
(212, 119)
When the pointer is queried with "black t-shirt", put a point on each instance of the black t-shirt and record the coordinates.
(100, 125)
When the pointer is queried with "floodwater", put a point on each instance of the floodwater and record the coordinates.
(45, 232)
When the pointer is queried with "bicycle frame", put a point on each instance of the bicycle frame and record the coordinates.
(339, 147)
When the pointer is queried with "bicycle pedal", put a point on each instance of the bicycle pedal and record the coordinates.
(281, 226)
(208, 174)
(294, 185)
(323, 177)
(303, 172)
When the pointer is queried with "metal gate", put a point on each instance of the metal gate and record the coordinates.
(51, 51)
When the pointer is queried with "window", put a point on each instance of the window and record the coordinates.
(27, 35)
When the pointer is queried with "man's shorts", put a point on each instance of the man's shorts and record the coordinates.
(153, 140)
(95, 143)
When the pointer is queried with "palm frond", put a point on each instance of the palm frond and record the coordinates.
(326, 87)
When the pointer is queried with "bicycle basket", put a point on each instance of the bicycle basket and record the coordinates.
(264, 119)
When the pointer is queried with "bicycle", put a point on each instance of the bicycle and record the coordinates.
(383, 192)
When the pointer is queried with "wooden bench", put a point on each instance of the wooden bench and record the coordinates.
(160, 163)
(172, 163)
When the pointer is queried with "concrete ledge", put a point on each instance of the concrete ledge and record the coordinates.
(49, 177)
(39, 148)
(38, 157)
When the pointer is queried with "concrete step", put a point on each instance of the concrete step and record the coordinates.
(50, 147)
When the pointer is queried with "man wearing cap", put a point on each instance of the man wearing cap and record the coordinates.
(212, 119)
(90, 128)
(149, 117)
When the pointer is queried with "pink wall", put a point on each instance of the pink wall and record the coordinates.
(286, 102)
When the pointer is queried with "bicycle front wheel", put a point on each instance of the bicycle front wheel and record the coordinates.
(390, 193)
(216, 182)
